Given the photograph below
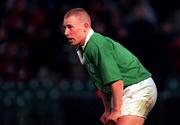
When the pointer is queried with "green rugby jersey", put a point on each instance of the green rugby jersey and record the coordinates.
(107, 61)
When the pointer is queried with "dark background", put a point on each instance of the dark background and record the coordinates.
(41, 79)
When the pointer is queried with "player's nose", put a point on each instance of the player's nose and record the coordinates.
(66, 32)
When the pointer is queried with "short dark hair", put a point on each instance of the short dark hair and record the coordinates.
(77, 12)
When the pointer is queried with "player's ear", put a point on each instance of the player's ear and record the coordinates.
(86, 25)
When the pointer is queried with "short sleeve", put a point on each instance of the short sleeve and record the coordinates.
(105, 60)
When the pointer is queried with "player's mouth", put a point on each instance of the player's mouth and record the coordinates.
(70, 39)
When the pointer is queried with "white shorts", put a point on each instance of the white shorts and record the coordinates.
(138, 99)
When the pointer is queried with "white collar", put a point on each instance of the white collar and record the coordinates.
(90, 33)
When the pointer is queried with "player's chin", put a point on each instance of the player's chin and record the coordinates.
(72, 44)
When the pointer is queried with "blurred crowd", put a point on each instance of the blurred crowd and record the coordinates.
(32, 44)
(34, 50)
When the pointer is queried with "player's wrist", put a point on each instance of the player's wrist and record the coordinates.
(116, 110)
(107, 109)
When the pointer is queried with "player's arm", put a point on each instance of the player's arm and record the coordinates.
(106, 99)
(117, 93)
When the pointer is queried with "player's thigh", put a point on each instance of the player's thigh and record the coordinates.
(131, 120)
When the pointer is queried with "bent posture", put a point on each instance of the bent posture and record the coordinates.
(127, 88)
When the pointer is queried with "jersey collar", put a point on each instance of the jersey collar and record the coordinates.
(90, 33)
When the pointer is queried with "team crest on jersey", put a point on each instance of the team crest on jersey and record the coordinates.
(90, 67)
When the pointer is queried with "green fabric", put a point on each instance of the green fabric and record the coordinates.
(108, 61)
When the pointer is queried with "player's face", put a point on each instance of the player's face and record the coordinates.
(74, 30)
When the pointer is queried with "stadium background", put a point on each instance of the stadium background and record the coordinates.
(41, 80)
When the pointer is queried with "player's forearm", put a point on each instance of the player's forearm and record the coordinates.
(117, 93)
(106, 99)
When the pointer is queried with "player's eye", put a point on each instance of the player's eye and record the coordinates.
(69, 26)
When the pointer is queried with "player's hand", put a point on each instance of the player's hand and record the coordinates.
(104, 117)
(112, 119)
(110, 122)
